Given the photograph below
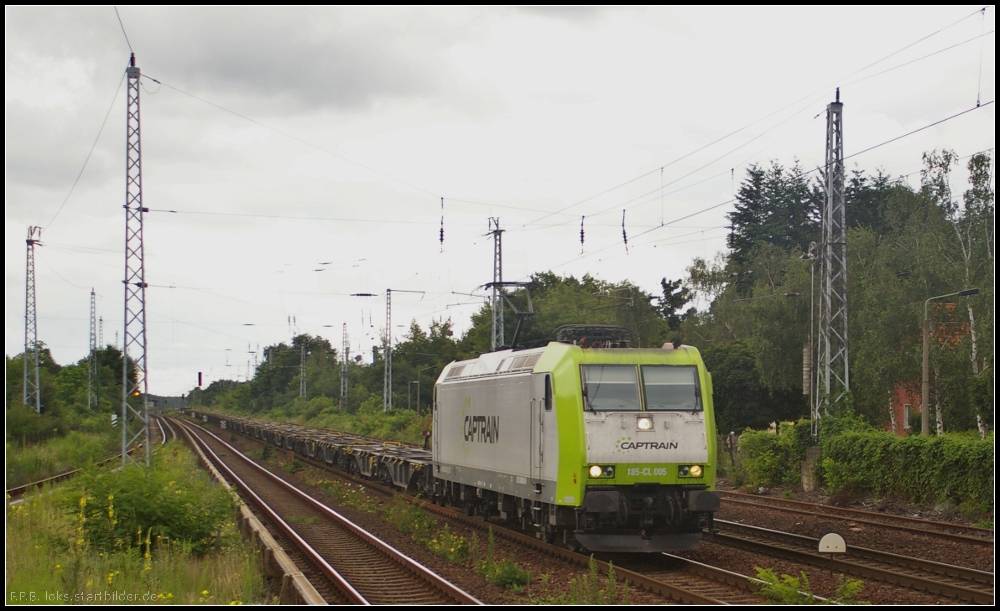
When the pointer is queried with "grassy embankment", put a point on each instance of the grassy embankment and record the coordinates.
(134, 536)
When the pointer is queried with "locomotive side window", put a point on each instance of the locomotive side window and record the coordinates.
(548, 393)
(671, 387)
(610, 388)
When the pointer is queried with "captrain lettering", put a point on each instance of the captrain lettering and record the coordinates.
(482, 428)
(649, 445)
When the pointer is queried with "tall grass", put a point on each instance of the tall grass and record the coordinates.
(34, 462)
(51, 560)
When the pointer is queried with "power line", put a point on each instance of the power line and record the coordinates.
(896, 67)
(380, 221)
(919, 129)
(914, 43)
(812, 98)
(801, 174)
(91, 153)
(295, 138)
(124, 33)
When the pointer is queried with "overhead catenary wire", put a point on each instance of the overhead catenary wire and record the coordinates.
(636, 241)
(124, 33)
(546, 215)
(801, 174)
(292, 137)
(979, 85)
(813, 96)
(89, 154)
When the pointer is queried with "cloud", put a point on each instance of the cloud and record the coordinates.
(300, 59)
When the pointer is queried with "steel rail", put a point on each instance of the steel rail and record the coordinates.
(329, 572)
(793, 547)
(448, 589)
(979, 536)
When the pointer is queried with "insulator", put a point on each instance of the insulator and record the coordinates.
(624, 235)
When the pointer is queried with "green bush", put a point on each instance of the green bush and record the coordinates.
(788, 590)
(860, 458)
(34, 462)
(449, 546)
(25, 425)
(771, 459)
(587, 590)
(957, 466)
(507, 573)
(410, 520)
(138, 506)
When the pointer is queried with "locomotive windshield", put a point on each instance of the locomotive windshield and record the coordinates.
(615, 388)
(670, 387)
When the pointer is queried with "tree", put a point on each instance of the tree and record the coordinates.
(980, 230)
(48, 371)
(419, 358)
(675, 297)
(277, 379)
(740, 396)
(773, 206)
(968, 252)
(866, 201)
(558, 301)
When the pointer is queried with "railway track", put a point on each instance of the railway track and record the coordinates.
(959, 583)
(944, 530)
(694, 585)
(356, 567)
(671, 577)
(688, 582)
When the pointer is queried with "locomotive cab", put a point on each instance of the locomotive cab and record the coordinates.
(648, 464)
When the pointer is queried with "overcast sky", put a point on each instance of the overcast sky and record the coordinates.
(294, 156)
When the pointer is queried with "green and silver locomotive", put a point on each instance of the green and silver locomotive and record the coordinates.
(601, 447)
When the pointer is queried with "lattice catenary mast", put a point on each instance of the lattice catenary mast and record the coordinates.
(345, 351)
(387, 346)
(135, 392)
(92, 370)
(496, 300)
(302, 369)
(832, 367)
(32, 393)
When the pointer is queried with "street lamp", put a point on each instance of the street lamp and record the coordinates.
(409, 395)
(809, 359)
(924, 382)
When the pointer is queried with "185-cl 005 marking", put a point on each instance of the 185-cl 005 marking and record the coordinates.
(647, 471)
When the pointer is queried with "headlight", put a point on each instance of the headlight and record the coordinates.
(605, 471)
(644, 423)
(690, 471)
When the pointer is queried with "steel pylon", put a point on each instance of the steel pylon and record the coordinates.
(135, 388)
(833, 370)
